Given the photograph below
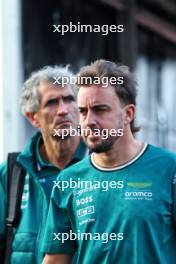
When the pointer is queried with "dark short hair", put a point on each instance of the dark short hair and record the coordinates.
(127, 92)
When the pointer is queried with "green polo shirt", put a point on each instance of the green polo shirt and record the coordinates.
(128, 215)
(38, 184)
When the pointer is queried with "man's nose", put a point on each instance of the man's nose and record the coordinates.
(90, 119)
(62, 108)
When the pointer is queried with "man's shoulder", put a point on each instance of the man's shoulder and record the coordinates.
(162, 151)
(77, 168)
(31, 145)
(162, 154)
(80, 165)
(28, 156)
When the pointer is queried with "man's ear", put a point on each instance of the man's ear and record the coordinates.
(129, 114)
(33, 119)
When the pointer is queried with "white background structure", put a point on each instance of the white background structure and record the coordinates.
(11, 131)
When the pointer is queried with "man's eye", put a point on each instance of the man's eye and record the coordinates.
(69, 99)
(82, 111)
(101, 109)
(51, 102)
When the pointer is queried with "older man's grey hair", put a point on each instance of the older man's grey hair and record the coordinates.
(30, 98)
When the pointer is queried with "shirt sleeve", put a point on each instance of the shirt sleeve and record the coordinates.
(57, 239)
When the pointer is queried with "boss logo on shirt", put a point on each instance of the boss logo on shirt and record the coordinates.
(87, 199)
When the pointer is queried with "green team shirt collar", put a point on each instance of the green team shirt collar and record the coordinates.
(32, 161)
(40, 162)
(120, 166)
(79, 154)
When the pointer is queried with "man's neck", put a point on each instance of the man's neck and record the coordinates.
(60, 152)
(125, 149)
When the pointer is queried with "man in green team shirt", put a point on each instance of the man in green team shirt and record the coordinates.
(117, 206)
(48, 101)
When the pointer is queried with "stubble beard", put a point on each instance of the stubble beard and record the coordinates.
(105, 144)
